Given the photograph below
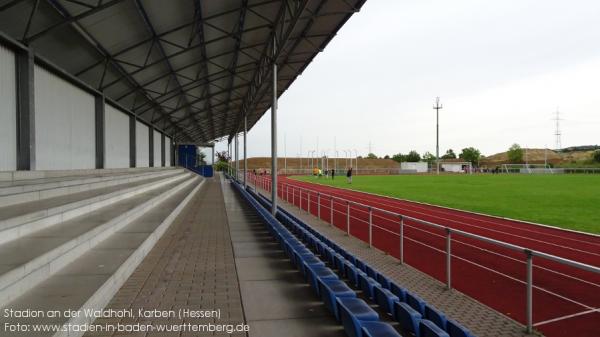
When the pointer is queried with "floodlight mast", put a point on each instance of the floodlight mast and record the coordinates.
(437, 108)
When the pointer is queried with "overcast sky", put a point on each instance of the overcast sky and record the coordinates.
(500, 67)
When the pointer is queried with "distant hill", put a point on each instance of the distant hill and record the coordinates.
(536, 156)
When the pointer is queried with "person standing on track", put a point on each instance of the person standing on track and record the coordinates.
(349, 175)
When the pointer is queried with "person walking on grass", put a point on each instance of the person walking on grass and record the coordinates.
(332, 174)
(349, 175)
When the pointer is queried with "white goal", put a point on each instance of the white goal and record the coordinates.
(528, 168)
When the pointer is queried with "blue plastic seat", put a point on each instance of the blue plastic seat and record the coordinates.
(353, 312)
(456, 330)
(307, 258)
(415, 302)
(398, 291)
(435, 316)
(408, 317)
(429, 329)
(332, 289)
(366, 284)
(338, 263)
(385, 299)
(315, 272)
(378, 329)
(370, 271)
(359, 264)
(384, 281)
(351, 273)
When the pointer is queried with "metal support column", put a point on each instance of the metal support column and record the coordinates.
(25, 111)
(274, 142)
(100, 134)
(245, 149)
(162, 150)
(132, 156)
(236, 154)
(150, 146)
(529, 291)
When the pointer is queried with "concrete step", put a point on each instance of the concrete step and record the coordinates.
(28, 191)
(90, 280)
(29, 259)
(8, 178)
(22, 219)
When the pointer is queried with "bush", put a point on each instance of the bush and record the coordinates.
(596, 156)
(220, 166)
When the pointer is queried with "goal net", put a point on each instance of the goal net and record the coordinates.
(527, 168)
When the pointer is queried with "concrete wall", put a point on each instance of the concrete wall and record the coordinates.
(64, 120)
(167, 151)
(116, 140)
(157, 152)
(142, 145)
(8, 111)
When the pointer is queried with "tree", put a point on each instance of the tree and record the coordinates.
(596, 156)
(399, 157)
(371, 156)
(413, 156)
(223, 156)
(449, 154)
(387, 156)
(515, 154)
(429, 157)
(470, 154)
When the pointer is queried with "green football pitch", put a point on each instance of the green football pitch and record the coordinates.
(567, 201)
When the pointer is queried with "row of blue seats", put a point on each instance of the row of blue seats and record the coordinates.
(357, 317)
(413, 313)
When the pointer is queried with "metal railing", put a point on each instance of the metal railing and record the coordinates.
(261, 182)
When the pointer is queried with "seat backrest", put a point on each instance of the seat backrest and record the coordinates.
(456, 330)
(398, 291)
(415, 302)
(429, 329)
(408, 317)
(385, 282)
(435, 316)
(385, 299)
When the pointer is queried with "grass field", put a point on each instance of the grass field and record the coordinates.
(567, 201)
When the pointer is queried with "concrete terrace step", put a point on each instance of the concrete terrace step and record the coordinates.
(26, 261)
(49, 188)
(22, 219)
(8, 178)
(91, 279)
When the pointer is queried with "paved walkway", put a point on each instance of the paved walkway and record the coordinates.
(277, 301)
(480, 319)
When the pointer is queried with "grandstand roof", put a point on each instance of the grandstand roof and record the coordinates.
(193, 68)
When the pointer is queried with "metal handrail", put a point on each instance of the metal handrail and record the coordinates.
(529, 253)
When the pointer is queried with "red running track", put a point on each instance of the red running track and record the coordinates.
(566, 300)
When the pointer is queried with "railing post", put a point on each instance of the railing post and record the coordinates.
(331, 214)
(529, 291)
(401, 240)
(319, 205)
(448, 259)
(348, 217)
(370, 227)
